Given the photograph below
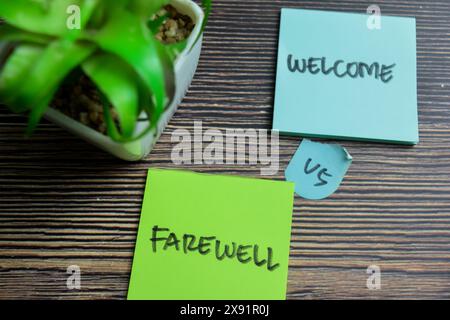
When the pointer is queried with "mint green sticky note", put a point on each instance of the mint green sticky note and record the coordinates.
(318, 169)
(338, 78)
(212, 237)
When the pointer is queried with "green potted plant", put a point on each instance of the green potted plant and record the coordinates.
(124, 65)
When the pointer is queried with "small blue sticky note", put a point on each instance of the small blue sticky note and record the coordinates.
(318, 169)
(339, 77)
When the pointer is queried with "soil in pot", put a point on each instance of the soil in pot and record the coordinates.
(79, 98)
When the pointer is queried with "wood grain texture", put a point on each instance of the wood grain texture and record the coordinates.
(64, 202)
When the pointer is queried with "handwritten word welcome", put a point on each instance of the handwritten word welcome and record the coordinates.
(211, 245)
(341, 69)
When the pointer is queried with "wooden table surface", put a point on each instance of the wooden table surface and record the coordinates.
(63, 202)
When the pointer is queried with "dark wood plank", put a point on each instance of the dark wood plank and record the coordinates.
(64, 202)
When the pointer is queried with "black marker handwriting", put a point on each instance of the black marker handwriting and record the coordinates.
(341, 69)
(320, 174)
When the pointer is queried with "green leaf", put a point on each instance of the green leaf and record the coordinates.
(207, 6)
(87, 10)
(15, 73)
(129, 38)
(175, 49)
(155, 24)
(48, 18)
(146, 8)
(48, 71)
(35, 16)
(10, 33)
(118, 82)
(111, 128)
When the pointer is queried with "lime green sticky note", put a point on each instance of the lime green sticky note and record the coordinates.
(212, 237)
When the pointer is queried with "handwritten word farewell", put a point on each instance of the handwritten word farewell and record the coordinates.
(211, 245)
(341, 69)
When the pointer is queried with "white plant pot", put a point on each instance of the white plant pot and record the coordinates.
(185, 66)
